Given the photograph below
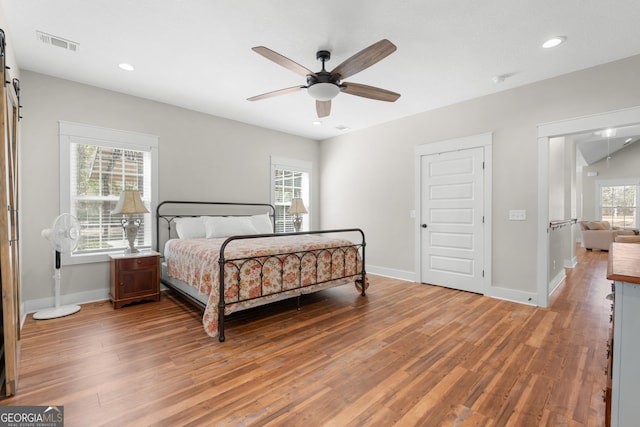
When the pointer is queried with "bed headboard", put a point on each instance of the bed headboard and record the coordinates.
(169, 210)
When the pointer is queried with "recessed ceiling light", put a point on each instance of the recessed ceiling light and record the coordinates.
(126, 67)
(317, 123)
(554, 41)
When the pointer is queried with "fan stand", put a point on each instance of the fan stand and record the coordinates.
(58, 310)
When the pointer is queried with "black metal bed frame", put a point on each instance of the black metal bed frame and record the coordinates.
(279, 258)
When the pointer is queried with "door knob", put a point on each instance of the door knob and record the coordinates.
(424, 226)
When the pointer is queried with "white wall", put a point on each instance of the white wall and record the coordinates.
(557, 179)
(367, 177)
(201, 158)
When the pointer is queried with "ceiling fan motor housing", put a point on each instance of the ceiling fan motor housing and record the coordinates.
(323, 86)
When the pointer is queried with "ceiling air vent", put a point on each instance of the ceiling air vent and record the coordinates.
(57, 41)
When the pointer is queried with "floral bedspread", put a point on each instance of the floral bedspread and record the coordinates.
(288, 266)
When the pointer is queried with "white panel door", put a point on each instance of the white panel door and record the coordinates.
(452, 233)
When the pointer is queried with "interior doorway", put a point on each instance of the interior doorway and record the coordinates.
(564, 128)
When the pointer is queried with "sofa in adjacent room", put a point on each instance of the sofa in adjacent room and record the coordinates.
(599, 234)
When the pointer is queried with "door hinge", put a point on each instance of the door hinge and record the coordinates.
(483, 219)
(482, 165)
(482, 273)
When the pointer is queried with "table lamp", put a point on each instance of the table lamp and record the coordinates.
(297, 209)
(130, 204)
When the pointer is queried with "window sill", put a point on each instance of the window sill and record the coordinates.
(97, 257)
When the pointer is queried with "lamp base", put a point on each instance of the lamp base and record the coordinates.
(297, 223)
(131, 226)
(54, 313)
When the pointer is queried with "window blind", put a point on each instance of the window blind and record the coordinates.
(99, 172)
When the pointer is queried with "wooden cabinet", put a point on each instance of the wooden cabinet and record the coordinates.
(609, 368)
(624, 269)
(134, 278)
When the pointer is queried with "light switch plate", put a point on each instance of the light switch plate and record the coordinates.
(517, 215)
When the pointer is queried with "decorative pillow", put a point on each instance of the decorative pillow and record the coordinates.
(225, 226)
(262, 223)
(598, 225)
(190, 228)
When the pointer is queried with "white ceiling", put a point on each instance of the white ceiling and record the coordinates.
(599, 145)
(197, 53)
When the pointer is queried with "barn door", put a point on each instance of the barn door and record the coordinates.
(9, 242)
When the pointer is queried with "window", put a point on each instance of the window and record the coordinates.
(618, 203)
(290, 178)
(96, 165)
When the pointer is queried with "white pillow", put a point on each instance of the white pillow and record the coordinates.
(190, 228)
(262, 223)
(225, 226)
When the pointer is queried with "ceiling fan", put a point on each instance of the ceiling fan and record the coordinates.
(323, 86)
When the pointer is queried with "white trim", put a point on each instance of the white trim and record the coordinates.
(542, 286)
(391, 272)
(513, 295)
(571, 263)
(31, 306)
(297, 165)
(484, 140)
(109, 135)
(69, 131)
(617, 118)
(292, 164)
(556, 281)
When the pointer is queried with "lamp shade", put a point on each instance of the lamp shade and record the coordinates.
(130, 203)
(297, 207)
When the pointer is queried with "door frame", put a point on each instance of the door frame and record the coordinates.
(546, 131)
(484, 140)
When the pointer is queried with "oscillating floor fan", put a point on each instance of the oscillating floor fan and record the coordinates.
(63, 235)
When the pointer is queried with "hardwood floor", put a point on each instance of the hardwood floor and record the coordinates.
(407, 354)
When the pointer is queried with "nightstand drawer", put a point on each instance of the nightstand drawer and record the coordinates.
(136, 263)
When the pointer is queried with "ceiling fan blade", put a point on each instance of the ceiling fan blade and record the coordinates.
(276, 93)
(282, 60)
(323, 108)
(369, 92)
(365, 58)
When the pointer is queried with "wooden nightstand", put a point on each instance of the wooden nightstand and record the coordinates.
(135, 277)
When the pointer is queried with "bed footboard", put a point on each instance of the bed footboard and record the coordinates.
(330, 264)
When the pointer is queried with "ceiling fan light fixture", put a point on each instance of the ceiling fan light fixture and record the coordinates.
(323, 91)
